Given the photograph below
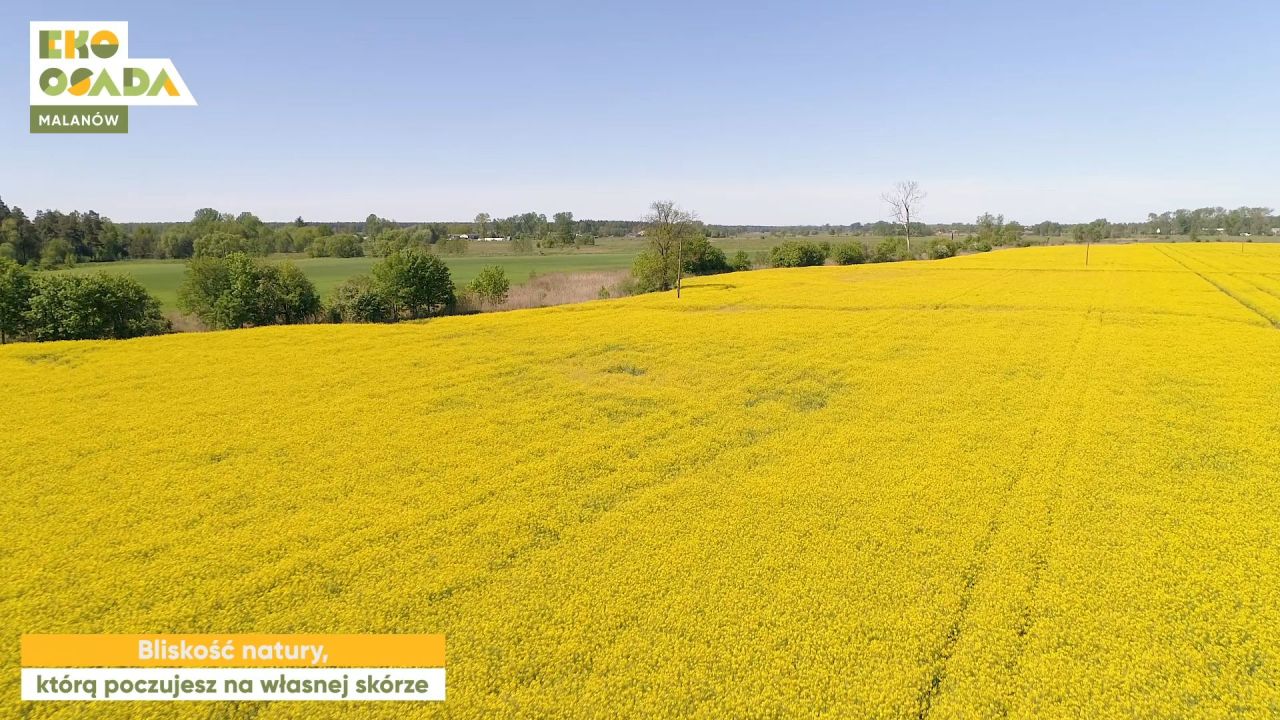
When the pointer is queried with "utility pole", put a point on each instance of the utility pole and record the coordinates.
(679, 263)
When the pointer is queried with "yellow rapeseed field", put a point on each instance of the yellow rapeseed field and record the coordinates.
(998, 485)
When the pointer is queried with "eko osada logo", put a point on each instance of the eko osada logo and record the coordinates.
(83, 80)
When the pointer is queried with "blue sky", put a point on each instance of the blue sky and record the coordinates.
(778, 113)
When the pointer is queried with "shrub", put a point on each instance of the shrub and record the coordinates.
(358, 299)
(741, 261)
(416, 282)
(703, 258)
(92, 307)
(240, 291)
(491, 285)
(890, 249)
(851, 253)
(651, 273)
(940, 249)
(797, 254)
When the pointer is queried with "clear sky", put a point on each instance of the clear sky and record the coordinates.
(761, 113)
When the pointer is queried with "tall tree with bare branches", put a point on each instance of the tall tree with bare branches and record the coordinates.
(668, 228)
(904, 200)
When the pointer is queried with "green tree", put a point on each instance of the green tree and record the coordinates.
(15, 299)
(341, 246)
(741, 261)
(374, 225)
(416, 281)
(491, 285)
(222, 244)
(92, 307)
(668, 229)
(562, 229)
(143, 242)
(240, 291)
(293, 295)
(56, 253)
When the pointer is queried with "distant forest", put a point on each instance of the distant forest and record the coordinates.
(55, 239)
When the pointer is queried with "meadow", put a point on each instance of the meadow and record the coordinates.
(1000, 485)
(162, 278)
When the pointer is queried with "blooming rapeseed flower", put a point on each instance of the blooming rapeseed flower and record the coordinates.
(1006, 484)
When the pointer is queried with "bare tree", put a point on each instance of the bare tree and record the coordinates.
(668, 228)
(904, 199)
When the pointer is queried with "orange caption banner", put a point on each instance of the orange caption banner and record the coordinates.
(233, 650)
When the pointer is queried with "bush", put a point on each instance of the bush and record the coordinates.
(92, 307)
(797, 254)
(703, 258)
(240, 291)
(890, 249)
(16, 288)
(358, 299)
(416, 282)
(852, 253)
(941, 249)
(741, 261)
(651, 273)
(491, 285)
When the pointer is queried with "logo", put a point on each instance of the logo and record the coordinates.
(83, 80)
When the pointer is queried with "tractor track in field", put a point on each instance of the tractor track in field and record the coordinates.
(1224, 290)
(977, 566)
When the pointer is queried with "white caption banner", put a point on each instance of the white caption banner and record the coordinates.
(226, 684)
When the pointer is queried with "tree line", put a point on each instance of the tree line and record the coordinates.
(55, 239)
(234, 291)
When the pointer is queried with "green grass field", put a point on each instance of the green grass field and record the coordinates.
(163, 277)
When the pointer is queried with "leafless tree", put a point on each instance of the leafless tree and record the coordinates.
(668, 228)
(904, 200)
